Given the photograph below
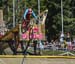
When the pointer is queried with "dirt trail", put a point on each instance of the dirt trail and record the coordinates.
(36, 61)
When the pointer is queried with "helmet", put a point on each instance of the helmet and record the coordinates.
(30, 10)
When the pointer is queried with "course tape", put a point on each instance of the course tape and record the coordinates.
(30, 56)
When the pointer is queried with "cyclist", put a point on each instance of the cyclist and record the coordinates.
(27, 15)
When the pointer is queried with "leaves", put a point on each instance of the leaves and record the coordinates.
(53, 21)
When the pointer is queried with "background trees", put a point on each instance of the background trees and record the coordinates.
(53, 21)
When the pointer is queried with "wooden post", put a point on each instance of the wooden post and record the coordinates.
(1, 16)
(2, 25)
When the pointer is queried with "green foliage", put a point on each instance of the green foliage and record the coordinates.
(0, 3)
(20, 6)
(53, 21)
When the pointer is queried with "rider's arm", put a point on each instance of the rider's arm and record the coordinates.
(34, 15)
(25, 13)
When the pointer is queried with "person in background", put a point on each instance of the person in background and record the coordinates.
(68, 38)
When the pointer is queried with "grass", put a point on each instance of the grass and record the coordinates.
(49, 52)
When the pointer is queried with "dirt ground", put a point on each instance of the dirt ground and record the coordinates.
(36, 61)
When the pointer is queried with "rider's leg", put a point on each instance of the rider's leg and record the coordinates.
(25, 25)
